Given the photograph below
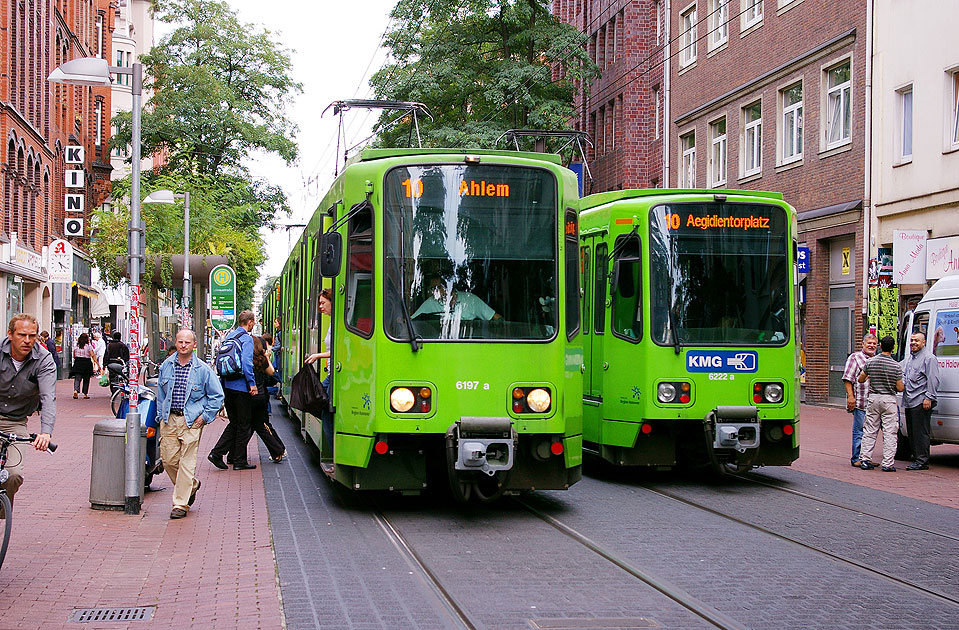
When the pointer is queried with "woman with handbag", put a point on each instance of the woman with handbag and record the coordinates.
(84, 365)
(326, 307)
(263, 372)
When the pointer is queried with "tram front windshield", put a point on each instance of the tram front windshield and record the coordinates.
(719, 274)
(470, 253)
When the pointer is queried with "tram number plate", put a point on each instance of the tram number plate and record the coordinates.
(721, 376)
(470, 385)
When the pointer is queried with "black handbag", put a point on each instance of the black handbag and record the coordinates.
(308, 393)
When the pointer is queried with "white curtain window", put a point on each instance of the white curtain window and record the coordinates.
(753, 131)
(717, 157)
(718, 23)
(955, 108)
(688, 172)
(839, 121)
(98, 108)
(792, 122)
(905, 116)
(689, 37)
(753, 12)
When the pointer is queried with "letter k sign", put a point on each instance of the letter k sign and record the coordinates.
(73, 154)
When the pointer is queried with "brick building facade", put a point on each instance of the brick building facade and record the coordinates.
(768, 95)
(38, 120)
(619, 110)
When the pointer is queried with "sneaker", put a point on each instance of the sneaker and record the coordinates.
(866, 465)
(917, 466)
(177, 513)
(279, 458)
(888, 469)
(855, 464)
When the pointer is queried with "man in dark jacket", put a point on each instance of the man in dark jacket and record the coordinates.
(116, 349)
(51, 345)
(239, 402)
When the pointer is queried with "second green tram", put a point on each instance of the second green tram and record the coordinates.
(689, 322)
(456, 349)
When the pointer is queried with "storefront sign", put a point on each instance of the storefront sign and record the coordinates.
(802, 260)
(942, 257)
(60, 261)
(909, 256)
(28, 259)
(222, 297)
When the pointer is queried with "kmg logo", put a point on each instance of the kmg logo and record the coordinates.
(722, 361)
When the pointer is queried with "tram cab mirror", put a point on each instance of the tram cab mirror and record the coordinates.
(331, 249)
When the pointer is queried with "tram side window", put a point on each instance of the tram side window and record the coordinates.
(316, 280)
(572, 276)
(627, 298)
(584, 271)
(599, 289)
(359, 273)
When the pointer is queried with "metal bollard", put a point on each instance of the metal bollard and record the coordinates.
(107, 466)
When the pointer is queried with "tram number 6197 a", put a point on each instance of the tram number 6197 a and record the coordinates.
(470, 385)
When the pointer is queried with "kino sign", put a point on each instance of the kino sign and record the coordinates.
(73, 201)
(222, 297)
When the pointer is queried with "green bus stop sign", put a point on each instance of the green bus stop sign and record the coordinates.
(222, 297)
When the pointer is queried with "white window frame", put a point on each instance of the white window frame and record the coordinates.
(791, 126)
(98, 116)
(752, 11)
(842, 92)
(687, 19)
(687, 160)
(952, 109)
(718, 23)
(658, 112)
(718, 156)
(905, 124)
(752, 128)
(659, 20)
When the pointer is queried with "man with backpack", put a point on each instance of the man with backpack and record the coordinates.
(234, 364)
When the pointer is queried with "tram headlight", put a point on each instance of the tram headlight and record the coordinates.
(538, 400)
(666, 392)
(402, 399)
(773, 393)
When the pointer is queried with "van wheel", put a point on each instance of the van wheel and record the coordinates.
(903, 447)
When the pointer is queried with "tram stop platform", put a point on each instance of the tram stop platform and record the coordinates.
(216, 568)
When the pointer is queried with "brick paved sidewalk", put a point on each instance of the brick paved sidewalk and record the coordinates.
(825, 446)
(212, 569)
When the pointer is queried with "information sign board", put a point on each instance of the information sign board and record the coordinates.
(223, 297)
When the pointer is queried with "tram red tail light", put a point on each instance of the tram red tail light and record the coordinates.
(424, 406)
(556, 448)
(381, 447)
(788, 429)
(757, 398)
(647, 428)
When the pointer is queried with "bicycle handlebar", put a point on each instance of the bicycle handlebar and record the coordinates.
(13, 437)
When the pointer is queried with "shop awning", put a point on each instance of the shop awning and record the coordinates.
(99, 307)
(87, 294)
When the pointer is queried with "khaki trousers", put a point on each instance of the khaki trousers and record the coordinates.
(882, 413)
(178, 448)
(15, 454)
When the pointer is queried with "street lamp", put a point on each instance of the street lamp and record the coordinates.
(95, 71)
(168, 196)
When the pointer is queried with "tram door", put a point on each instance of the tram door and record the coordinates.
(594, 255)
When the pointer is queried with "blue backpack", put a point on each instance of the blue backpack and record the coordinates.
(229, 364)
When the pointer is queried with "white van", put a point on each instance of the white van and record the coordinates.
(937, 316)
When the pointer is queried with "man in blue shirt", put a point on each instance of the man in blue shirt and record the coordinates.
(189, 397)
(239, 392)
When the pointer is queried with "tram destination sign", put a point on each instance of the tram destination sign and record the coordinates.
(222, 297)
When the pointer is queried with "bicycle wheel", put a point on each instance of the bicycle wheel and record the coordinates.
(6, 522)
(116, 400)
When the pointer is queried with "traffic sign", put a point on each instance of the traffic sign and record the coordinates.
(222, 297)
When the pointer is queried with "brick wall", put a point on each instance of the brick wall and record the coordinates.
(38, 119)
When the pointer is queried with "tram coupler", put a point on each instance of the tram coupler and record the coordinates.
(734, 427)
(483, 444)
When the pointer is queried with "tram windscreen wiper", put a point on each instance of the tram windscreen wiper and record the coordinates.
(677, 344)
(402, 291)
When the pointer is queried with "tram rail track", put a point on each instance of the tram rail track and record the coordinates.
(930, 592)
(750, 478)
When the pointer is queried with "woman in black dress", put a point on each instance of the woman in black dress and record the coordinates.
(84, 365)
(263, 373)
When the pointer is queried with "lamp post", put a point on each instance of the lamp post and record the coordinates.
(168, 196)
(96, 72)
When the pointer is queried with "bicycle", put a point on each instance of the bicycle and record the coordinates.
(119, 381)
(6, 439)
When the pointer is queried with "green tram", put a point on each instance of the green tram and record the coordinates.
(456, 346)
(689, 328)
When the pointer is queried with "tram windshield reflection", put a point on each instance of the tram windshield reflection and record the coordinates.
(719, 274)
(470, 253)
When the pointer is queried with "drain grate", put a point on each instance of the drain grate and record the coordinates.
(87, 615)
(586, 622)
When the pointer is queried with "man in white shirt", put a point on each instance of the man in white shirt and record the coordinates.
(462, 305)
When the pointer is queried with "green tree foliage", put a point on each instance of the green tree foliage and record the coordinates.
(220, 91)
(481, 67)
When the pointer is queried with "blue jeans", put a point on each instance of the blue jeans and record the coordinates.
(858, 418)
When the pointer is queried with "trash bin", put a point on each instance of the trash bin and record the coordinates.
(107, 468)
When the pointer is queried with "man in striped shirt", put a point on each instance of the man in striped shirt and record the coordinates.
(857, 394)
(885, 379)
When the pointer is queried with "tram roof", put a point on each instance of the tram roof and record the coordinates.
(378, 154)
(600, 199)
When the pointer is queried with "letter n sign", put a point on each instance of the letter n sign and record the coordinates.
(74, 203)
